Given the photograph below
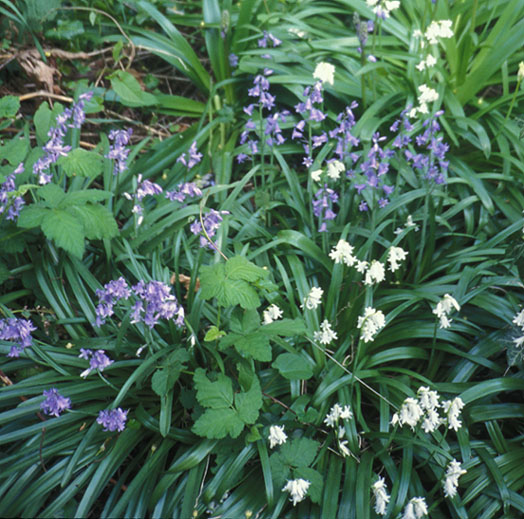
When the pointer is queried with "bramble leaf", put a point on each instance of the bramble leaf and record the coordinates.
(81, 163)
(238, 267)
(97, 221)
(82, 197)
(299, 452)
(293, 366)
(279, 470)
(52, 194)
(65, 230)
(285, 327)
(9, 106)
(217, 395)
(249, 403)
(218, 423)
(315, 479)
(32, 216)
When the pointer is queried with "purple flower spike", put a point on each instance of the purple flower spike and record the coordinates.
(194, 156)
(233, 60)
(323, 202)
(8, 200)
(55, 403)
(113, 419)
(98, 360)
(212, 221)
(55, 148)
(17, 331)
(118, 151)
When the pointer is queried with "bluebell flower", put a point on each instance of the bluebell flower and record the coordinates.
(212, 221)
(98, 360)
(55, 147)
(233, 60)
(54, 403)
(194, 156)
(8, 200)
(119, 151)
(112, 419)
(17, 331)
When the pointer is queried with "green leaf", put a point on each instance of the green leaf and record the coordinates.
(249, 403)
(316, 480)
(279, 470)
(238, 267)
(218, 423)
(117, 49)
(44, 118)
(217, 395)
(299, 452)
(285, 327)
(211, 278)
(228, 291)
(213, 334)
(9, 106)
(32, 216)
(164, 379)
(97, 220)
(65, 230)
(293, 366)
(129, 90)
(15, 150)
(52, 194)
(66, 30)
(81, 163)
(238, 292)
(76, 198)
(255, 345)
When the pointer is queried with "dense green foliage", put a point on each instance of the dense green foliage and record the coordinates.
(204, 387)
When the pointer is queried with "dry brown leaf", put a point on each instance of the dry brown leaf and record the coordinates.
(34, 67)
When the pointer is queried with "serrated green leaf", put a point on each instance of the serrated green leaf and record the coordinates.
(15, 150)
(238, 292)
(218, 423)
(65, 230)
(9, 106)
(217, 395)
(249, 403)
(164, 379)
(285, 327)
(293, 366)
(86, 195)
(210, 280)
(52, 194)
(97, 221)
(279, 470)
(254, 345)
(32, 216)
(81, 163)
(299, 452)
(251, 345)
(130, 91)
(44, 118)
(314, 491)
(239, 267)
(213, 334)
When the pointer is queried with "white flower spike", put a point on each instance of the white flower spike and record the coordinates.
(325, 72)
(277, 436)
